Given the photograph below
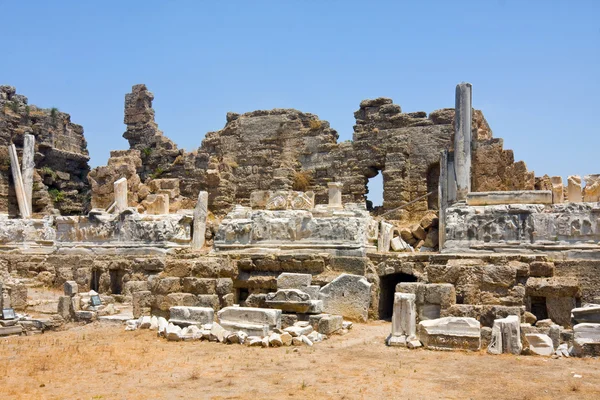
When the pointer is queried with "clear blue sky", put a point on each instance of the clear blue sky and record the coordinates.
(534, 65)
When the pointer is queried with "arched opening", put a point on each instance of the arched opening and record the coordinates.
(374, 189)
(433, 178)
(387, 288)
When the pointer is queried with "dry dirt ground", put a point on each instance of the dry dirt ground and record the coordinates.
(100, 361)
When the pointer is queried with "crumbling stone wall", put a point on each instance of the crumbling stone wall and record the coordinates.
(285, 149)
(61, 156)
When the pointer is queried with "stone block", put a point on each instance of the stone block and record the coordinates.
(290, 300)
(288, 320)
(588, 313)
(559, 309)
(400, 245)
(540, 344)
(260, 316)
(70, 288)
(330, 324)
(509, 197)
(289, 280)
(506, 336)
(347, 295)
(249, 329)
(208, 300)
(142, 302)
(450, 333)
(65, 308)
(312, 291)
(199, 285)
(185, 316)
(541, 269)
(86, 316)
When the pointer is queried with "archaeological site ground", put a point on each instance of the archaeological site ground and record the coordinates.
(255, 267)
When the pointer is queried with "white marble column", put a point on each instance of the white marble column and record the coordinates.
(200, 214)
(335, 194)
(18, 180)
(462, 139)
(28, 167)
(386, 230)
(120, 189)
(404, 319)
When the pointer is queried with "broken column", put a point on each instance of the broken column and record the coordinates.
(386, 232)
(200, 214)
(462, 139)
(574, 192)
(404, 320)
(558, 195)
(335, 194)
(120, 190)
(18, 180)
(28, 167)
(506, 336)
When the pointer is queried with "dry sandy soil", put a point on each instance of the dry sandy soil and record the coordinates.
(100, 361)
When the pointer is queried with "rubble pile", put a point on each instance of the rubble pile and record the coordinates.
(241, 325)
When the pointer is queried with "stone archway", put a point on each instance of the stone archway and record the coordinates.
(387, 288)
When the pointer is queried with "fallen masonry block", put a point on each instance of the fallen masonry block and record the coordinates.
(540, 344)
(248, 317)
(330, 324)
(288, 280)
(506, 336)
(587, 340)
(586, 314)
(249, 329)
(218, 333)
(87, 316)
(347, 295)
(254, 341)
(191, 332)
(450, 333)
(185, 316)
(293, 300)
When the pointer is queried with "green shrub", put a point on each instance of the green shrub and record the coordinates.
(56, 195)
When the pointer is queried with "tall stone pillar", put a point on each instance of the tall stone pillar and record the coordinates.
(462, 139)
(574, 190)
(200, 214)
(335, 194)
(18, 180)
(442, 198)
(404, 319)
(28, 167)
(120, 189)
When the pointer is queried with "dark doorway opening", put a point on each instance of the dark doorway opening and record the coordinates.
(116, 281)
(95, 280)
(538, 307)
(433, 178)
(241, 295)
(387, 288)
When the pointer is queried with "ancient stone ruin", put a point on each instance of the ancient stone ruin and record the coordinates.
(264, 236)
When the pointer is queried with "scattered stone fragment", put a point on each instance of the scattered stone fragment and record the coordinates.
(145, 322)
(306, 340)
(296, 341)
(297, 331)
(275, 340)
(413, 344)
(162, 326)
(286, 339)
(217, 332)
(173, 332)
(131, 325)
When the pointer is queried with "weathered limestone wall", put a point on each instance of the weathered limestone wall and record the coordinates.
(61, 157)
(284, 149)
